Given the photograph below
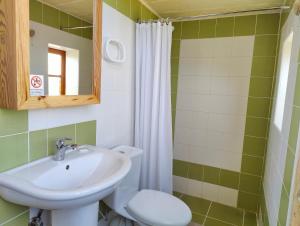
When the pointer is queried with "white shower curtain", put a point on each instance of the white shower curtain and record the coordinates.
(153, 116)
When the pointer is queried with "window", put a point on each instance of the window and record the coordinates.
(56, 72)
(283, 81)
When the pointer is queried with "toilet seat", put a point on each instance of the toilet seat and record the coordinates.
(158, 209)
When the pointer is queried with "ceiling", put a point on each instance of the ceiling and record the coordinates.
(179, 8)
(82, 9)
(169, 8)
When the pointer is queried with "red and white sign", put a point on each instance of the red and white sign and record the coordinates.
(37, 85)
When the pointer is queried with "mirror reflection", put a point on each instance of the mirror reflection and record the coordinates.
(61, 47)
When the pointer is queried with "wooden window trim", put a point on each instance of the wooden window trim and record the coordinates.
(62, 53)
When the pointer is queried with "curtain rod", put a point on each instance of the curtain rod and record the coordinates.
(78, 27)
(186, 18)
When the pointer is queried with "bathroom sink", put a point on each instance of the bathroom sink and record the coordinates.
(82, 178)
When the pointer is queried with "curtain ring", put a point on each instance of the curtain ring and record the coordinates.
(167, 21)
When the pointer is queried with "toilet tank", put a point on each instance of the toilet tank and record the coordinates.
(130, 184)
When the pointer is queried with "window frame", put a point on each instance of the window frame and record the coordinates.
(62, 77)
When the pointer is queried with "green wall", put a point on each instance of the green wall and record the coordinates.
(289, 164)
(133, 9)
(52, 17)
(20, 146)
(27, 146)
(291, 151)
(290, 160)
(265, 28)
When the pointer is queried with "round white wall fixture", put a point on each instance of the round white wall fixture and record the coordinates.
(114, 51)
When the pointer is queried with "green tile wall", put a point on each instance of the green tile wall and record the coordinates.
(52, 17)
(8, 211)
(133, 9)
(265, 28)
(85, 133)
(38, 142)
(14, 151)
(213, 175)
(18, 146)
(290, 156)
(264, 211)
(63, 131)
(286, 13)
(19, 220)
(13, 122)
(27, 146)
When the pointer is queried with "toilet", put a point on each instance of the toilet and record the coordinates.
(145, 207)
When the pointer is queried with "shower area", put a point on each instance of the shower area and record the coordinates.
(213, 86)
(223, 73)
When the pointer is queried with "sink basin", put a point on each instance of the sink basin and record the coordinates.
(82, 179)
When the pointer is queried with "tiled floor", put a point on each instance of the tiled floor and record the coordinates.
(208, 213)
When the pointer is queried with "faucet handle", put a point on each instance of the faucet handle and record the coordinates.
(60, 142)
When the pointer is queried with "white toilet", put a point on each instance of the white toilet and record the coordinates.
(145, 207)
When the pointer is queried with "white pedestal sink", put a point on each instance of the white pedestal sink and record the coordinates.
(70, 188)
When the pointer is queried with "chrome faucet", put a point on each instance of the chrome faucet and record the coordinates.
(61, 148)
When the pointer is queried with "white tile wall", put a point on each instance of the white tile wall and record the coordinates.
(216, 193)
(211, 192)
(194, 84)
(241, 46)
(214, 77)
(228, 196)
(180, 184)
(196, 66)
(231, 86)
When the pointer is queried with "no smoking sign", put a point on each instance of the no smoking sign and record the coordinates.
(36, 82)
(37, 85)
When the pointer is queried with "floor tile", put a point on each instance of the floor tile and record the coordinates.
(198, 218)
(250, 219)
(207, 213)
(194, 224)
(214, 222)
(226, 214)
(177, 194)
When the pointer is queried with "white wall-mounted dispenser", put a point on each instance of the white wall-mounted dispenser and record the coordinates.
(114, 51)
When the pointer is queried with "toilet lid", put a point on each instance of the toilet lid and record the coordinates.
(158, 208)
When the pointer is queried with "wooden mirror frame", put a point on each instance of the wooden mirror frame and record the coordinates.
(15, 57)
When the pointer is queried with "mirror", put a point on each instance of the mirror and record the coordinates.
(61, 48)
